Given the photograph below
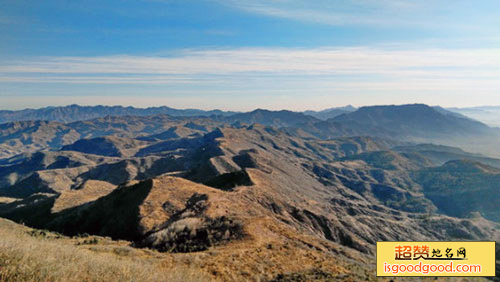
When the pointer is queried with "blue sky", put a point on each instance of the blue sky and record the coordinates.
(241, 55)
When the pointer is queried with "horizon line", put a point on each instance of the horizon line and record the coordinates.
(241, 111)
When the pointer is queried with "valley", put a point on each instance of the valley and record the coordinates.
(261, 195)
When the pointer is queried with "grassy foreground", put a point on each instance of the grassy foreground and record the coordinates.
(33, 255)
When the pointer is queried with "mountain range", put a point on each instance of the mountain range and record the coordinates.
(409, 123)
(268, 195)
(73, 113)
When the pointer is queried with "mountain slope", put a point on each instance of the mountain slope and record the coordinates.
(110, 146)
(419, 123)
(439, 154)
(461, 187)
(272, 118)
(416, 120)
(330, 113)
(28, 254)
(31, 136)
(300, 196)
(309, 185)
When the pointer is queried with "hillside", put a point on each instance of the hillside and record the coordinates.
(259, 157)
(461, 187)
(32, 136)
(28, 254)
(439, 154)
(110, 146)
(302, 195)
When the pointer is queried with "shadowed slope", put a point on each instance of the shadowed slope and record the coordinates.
(303, 202)
(460, 187)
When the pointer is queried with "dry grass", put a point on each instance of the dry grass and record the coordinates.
(40, 256)
(6, 200)
(90, 191)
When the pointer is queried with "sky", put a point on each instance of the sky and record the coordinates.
(242, 54)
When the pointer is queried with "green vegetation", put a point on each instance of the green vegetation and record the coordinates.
(461, 187)
(381, 159)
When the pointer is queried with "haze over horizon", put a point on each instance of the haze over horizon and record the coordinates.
(263, 107)
(242, 55)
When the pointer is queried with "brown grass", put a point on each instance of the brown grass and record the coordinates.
(44, 256)
(90, 191)
(6, 200)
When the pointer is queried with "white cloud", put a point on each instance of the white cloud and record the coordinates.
(336, 12)
(276, 61)
(457, 16)
(457, 75)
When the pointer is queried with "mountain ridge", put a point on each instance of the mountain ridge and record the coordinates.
(277, 186)
(72, 113)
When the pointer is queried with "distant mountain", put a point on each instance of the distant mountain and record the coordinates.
(111, 146)
(294, 123)
(331, 113)
(73, 113)
(487, 114)
(440, 154)
(272, 118)
(406, 123)
(411, 121)
(291, 194)
(30, 136)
